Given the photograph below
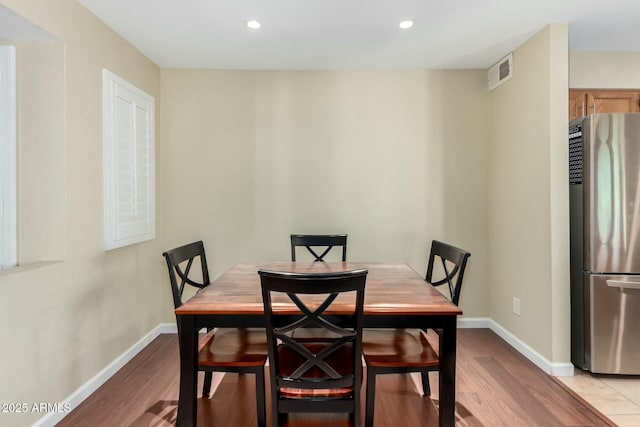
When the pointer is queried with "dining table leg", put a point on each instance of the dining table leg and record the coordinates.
(447, 375)
(187, 403)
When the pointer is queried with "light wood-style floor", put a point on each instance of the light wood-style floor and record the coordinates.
(616, 396)
(496, 386)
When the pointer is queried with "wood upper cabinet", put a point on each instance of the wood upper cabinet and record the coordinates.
(588, 101)
(612, 101)
(577, 104)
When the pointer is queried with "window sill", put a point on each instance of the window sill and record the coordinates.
(26, 267)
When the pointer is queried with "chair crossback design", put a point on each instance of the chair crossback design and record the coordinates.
(311, 241)
(314, 374)
(409, 350)
(453, 261)
(223, 349)
(179, 272)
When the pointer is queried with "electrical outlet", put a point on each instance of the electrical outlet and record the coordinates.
(516, 306)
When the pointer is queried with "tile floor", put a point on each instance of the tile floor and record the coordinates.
(617, 397)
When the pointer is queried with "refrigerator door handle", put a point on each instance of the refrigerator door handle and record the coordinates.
(623, 284)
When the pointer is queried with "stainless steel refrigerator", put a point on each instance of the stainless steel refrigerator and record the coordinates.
(604, 189)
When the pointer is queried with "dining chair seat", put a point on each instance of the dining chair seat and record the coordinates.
(395, 352)
(233, 347)
(397, 348)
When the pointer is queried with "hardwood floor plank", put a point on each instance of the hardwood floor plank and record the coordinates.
(496, 386)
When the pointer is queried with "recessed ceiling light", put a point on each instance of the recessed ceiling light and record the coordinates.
(405, 25)
(253, 24)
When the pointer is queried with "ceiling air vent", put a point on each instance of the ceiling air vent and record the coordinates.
(501, 71)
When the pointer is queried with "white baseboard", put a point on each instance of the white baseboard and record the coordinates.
(77, 397)
(474, 322)
(167, 328)
(551, 368)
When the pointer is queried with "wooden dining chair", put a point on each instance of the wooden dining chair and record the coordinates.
(239, 350)
(326, 241)
(322, 374)
(409, 350)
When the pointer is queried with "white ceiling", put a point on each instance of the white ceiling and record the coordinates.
(336, 34)
(14, 27)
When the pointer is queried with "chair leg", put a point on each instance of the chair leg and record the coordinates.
(355, 417)
(282, 419)
(426, 387)
(276, 418)
(370, 398)
(206, 387)
(260, 401)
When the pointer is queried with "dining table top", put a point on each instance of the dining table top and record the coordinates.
(391, 289)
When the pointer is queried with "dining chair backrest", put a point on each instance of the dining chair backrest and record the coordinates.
(326, 241)
(453, 263)
(180, 261)
(311, 366)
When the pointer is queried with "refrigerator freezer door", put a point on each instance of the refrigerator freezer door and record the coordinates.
(612, 193)
(614, 320)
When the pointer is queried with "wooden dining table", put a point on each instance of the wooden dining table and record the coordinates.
(395, 297)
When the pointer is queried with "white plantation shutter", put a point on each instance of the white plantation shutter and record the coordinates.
(8, 211)
(129, 178)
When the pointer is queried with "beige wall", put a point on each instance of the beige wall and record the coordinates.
(606, 70)
(528, 196)
(64, 322)
(559, 194)
(41, 152)
(393, 158)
